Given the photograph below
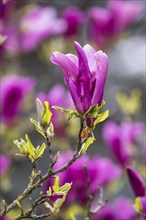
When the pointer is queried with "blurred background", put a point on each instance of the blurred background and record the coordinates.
(30, 31)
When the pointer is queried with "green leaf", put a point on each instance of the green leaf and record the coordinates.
(61, 109)
(56, 185)
(65, 188)
(40, 150)
(47, 114)
(70, 113)
(26, 148)
(138, 205)
(51, 128)
(58, 203)
(102, 104)
(88, 142)
(93, 111)
(57, 190)
(30, 145)
(40, 110)
(38, 127)
(101, 117)
(21, 145)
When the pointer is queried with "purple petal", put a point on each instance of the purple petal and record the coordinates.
(75, 96)
(136, 182)
(100, 68)
(84, 71)
(83, 78)
(90, 51)
(73, 59)
(68, 67)
(112, 136)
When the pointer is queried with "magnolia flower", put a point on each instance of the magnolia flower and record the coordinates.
(107, 23)
(84, 75)
(101, 171)
(121, 139)
(38, 24)
(74, 18)
(13, 92)
(4, 164)
(33, 27)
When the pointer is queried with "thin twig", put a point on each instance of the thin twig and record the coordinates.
(32, 186)
(89, 196)
(50, 150)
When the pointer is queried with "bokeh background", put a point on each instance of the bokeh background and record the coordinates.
(30, 32)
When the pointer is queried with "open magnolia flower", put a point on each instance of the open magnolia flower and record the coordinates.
(84, 75)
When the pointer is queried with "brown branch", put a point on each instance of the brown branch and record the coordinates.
(89, 196)
(50, 150)
(32, 186)
(28, 213)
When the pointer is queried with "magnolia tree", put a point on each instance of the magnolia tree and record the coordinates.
(73, 185)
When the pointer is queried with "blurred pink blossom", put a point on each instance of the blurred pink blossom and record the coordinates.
(33, 27)
(13, 89)
(101, 171)
(105, 24)
(121, 138)
(121, 208)
(74, 18)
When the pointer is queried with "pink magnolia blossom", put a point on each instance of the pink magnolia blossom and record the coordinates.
(121, 138)
(13, 88)
(84, 75)
(105, 24)
(74, 18)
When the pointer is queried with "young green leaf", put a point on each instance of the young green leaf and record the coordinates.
(40, 150)
(101, 117)
(21, 145)
(40, 110)
(47, 114)
(30, 148)
(38, 127)
(70, 113)
(56, 185)
(85, 146)
(58, 203)
(93, 111)
(61, 109)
